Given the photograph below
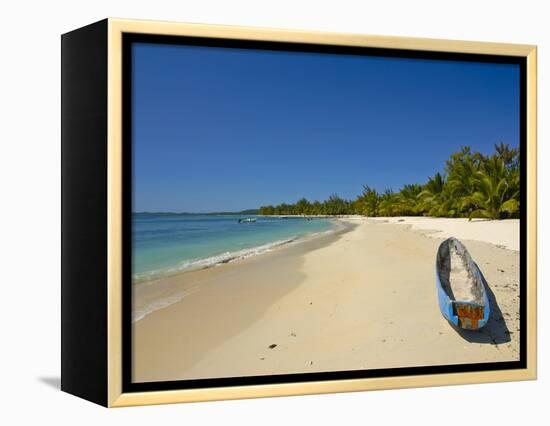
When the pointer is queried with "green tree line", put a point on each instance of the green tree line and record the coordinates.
(472, 185)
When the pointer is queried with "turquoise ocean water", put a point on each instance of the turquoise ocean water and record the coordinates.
(165, 244)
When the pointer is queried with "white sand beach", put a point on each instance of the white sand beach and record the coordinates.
(363, 299)
(503, 233)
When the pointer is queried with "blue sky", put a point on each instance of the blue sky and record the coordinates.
(222, 129)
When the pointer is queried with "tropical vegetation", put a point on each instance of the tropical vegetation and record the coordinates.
(472, 185)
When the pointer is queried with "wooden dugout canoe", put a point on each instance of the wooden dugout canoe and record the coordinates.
(461, 291)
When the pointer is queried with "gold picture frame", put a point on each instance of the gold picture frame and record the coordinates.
(114, 30)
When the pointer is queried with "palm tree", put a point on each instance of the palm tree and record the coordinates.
(495, 195)
(461, 170)
(435, 199)
(267, 210)
(510, 156)
(302, 206)
(387, 204)
(407, 200)
(336, 205)
(367, 203)
(317, 207)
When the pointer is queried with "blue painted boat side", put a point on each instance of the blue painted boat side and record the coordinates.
(446, 304)
(487, 307)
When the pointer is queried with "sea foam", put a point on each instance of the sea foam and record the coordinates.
(229, 256)
(208, 262)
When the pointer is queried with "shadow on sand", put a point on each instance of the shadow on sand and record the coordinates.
(495, 331)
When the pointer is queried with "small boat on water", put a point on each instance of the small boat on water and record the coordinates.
(247, 220)
(461, 291)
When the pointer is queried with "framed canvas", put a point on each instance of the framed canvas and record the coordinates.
(255, 212)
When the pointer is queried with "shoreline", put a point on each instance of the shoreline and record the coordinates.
(493, 231)
(334, 303)
(161, 292)
(227, 257)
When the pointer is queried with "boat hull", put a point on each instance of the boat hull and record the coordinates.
(461, 313)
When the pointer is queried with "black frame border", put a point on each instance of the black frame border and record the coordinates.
(128, 386)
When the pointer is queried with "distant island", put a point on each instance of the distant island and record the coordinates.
(473, 186)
